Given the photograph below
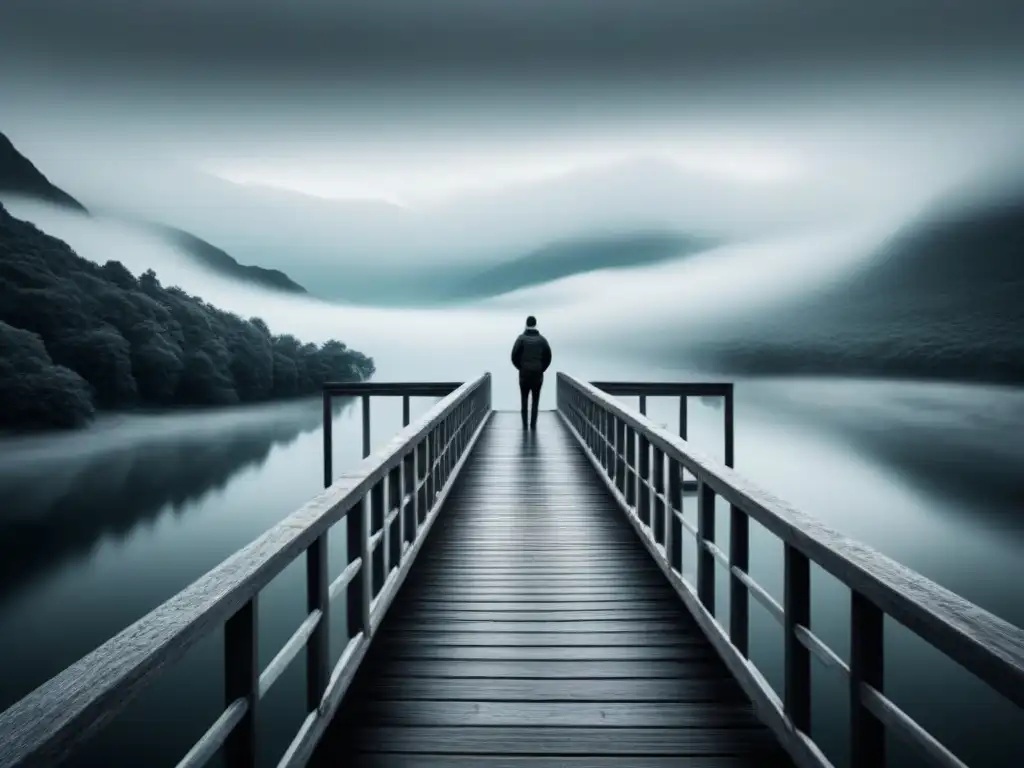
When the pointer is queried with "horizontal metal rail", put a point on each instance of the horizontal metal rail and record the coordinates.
(984, 644)
(389, 502)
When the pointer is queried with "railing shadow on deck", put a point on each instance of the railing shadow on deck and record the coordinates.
(992, 649)
(390, 502)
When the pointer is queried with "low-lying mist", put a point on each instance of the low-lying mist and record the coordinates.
(600, 314)
(370, 251)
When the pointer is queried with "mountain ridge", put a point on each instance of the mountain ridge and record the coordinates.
(939, 300)
(19, 176)
(221, 262)
(576, 256)
(77, 337)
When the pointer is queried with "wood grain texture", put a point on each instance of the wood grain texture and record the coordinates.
(597, 653)
(534, 630)
(457, 636)
(439, 690)
(524, 669)
(545, 616)
(529, 606)
(568, 761)
(554, 740)
(580, 714)
(987, 646)
(56, 717)
(544, 627)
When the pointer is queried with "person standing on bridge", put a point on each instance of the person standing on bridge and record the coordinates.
(531, 355)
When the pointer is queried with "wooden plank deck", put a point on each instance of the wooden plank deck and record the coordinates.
(535, 630)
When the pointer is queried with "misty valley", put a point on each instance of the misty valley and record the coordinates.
(927, 438)
(192, 245)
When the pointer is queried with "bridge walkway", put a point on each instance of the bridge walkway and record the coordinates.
(534, 629)
(513, 600)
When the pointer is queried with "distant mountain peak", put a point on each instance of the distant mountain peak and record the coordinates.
(223, 263)
(579, 255)
(20, 177)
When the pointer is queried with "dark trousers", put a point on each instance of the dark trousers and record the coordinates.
(530, 383)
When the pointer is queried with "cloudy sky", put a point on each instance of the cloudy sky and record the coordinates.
(416, 101)
(469, 129)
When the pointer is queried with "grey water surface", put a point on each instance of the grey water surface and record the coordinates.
(97, 528)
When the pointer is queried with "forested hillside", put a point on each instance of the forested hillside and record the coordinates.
(76, 337)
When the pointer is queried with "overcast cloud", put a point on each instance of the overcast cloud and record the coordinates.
(728, 115)
(590, 40)
(289, 79)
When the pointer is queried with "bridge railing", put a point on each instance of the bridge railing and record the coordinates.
(389, 503)
(987, 646)
(364, 390)
(684, 391)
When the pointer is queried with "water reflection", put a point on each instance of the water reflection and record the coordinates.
(909, 469)
(99, 528)
(63, 495)
(929, 475)
(959, 442)
(103, 526)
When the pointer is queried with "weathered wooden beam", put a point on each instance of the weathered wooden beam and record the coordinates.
(242, 681)
(393, 389)
(318, 658)
(366, 425)
(867, 665)
(328, 441)
(52, 720)
(739, 597)
(705, 534)
(987, 646)
(796, 614)
(662, 388)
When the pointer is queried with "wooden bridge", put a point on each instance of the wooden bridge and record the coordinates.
(517, 598)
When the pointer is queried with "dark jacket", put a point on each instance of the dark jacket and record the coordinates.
(531, 352)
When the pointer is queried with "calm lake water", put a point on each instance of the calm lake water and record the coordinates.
(98, 528)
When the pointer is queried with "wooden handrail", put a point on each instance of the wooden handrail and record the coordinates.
(683, 390)
(664, 388)
(367, 389)
(393, 388)
(989, 647)
(407, 481)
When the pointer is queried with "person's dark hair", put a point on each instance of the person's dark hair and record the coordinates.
(531, 321)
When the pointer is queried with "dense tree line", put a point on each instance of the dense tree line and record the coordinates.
(76, 337)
